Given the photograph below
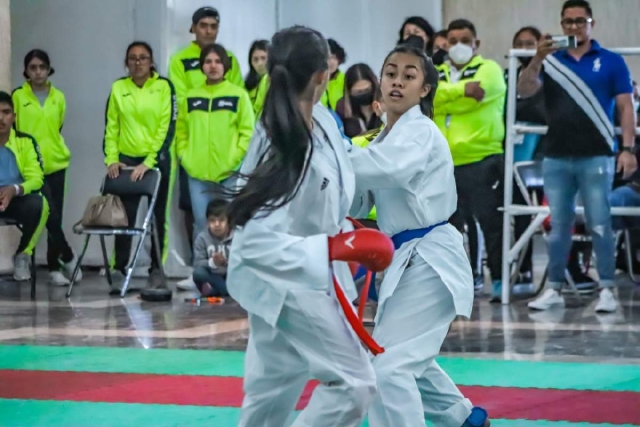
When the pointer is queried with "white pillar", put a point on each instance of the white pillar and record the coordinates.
(8, 235)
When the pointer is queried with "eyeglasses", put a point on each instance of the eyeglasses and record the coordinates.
(578, 22)
(140, 59)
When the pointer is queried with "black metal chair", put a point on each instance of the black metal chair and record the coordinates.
(123, 186)
(8, 222)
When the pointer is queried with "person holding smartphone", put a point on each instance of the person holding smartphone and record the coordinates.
(583, 88)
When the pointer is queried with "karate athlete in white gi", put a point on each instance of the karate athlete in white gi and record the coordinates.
(408, 172)
(298, 190)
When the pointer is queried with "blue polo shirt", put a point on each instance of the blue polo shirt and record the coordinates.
(580, 100)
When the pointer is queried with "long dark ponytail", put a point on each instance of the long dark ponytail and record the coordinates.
(429, 72)
(295, 55)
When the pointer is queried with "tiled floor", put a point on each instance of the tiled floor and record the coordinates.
(96, 360)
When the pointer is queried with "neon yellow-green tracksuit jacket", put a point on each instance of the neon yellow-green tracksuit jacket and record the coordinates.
(334, 92)
(141, 121)
(44, 123)
(185, 72)
(261, 93)
(364, 141)
(27, 153)
(215, 126)
(474, 130)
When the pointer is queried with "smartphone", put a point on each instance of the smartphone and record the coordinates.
(564, 42)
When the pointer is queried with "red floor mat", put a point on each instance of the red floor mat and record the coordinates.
(510, 403)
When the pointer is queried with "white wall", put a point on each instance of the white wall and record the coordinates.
(367, 29)
(86, 40)
(241, 22)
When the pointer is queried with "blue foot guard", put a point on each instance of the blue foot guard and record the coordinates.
(477, 418)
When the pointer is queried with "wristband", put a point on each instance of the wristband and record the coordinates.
(631, 150)
(17, 187)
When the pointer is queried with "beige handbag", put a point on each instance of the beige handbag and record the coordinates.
(105, 211)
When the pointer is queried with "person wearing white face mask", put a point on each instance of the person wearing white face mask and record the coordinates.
(469, 106)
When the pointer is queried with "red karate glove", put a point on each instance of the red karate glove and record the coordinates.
(368, 247)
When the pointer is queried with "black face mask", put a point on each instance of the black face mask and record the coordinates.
(525, 60)
(362, 99)
(439, 57)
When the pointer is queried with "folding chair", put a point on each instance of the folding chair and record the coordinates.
(528, 176)
(123, 186)
(11, 222)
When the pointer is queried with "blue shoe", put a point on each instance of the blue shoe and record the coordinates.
(478, 418)
(478, 283)
(496, 292)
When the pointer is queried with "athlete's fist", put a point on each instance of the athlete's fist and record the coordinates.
(369, 248)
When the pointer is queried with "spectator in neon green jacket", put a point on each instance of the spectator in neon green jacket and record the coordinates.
(258, 55)
(215, 125)
(40, 109)
(469, 108)
(184, 66)
(21, 178)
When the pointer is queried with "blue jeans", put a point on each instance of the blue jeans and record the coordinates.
(203, 192)
(593, 178)
(625, 196)
(217, 281)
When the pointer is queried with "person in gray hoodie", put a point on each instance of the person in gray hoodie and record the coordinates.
(211, 252)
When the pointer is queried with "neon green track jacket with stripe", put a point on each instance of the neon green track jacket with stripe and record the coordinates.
(140, 121)
(29, 161)
(215, 126)
(27, 153)
(44, 123)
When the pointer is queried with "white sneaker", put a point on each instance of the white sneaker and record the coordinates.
(56, 278)
(549, 299)
(22, 268)
(70, 266)
(607, 302)
(187, 284)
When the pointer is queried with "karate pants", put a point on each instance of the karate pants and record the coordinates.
(412, 327)
(311, 340)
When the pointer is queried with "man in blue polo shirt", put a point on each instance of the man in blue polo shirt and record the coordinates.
(583, 88)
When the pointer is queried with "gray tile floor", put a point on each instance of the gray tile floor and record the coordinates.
(93, 318)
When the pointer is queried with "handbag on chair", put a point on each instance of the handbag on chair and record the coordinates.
(105, 211)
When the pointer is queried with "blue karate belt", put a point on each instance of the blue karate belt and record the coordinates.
(398, 240)
(408, 235)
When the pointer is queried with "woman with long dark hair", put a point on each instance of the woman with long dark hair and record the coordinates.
(257, 68)
(139, 133)
(289, 213)
(40, 109)
(408, 170)
(356, 108)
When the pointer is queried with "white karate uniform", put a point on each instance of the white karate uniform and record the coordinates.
(279, 272)
(408, 173)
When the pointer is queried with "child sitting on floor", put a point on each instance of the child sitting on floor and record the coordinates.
(211, 252)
